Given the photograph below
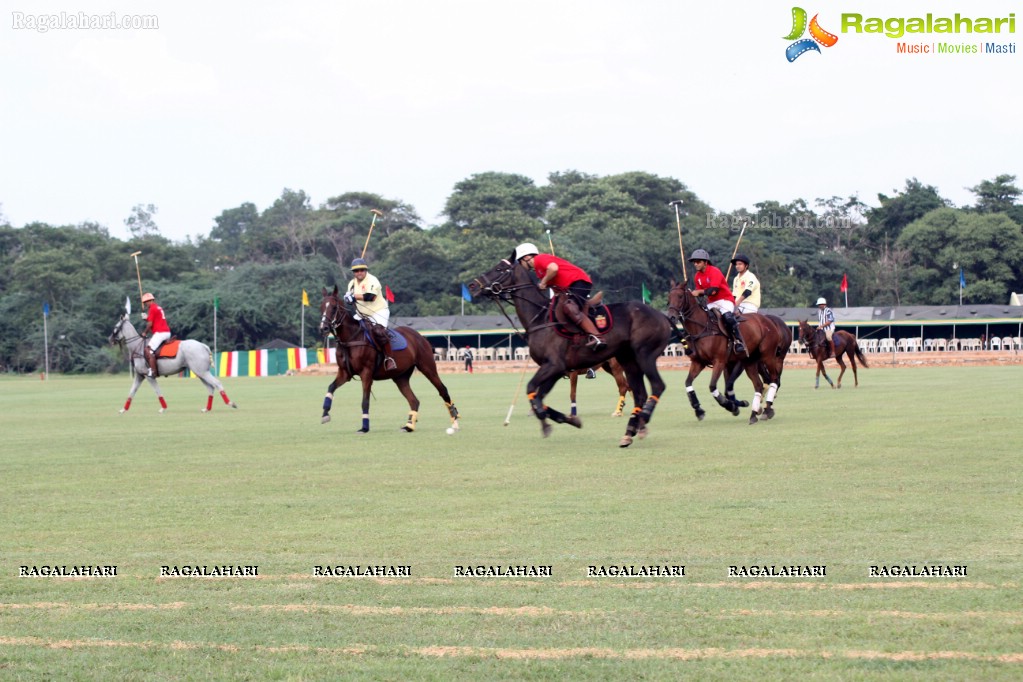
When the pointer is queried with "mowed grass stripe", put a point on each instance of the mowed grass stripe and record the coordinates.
(441, 651)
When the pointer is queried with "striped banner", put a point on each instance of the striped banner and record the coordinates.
(268, 363)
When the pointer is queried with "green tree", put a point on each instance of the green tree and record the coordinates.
(997, 196)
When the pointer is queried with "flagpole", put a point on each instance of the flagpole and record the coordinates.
(46, 344)
(216, 366)
(846, 298)
(302, 344)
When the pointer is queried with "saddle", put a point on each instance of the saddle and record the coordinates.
(398, 342)
(593, 308)
(169, 348)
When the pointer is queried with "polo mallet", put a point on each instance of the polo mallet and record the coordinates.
(374, 222)
(678, 221)
(550, 241)
(137, 273)
(518, 390)
(745, 222)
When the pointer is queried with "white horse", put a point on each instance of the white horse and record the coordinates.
(194, 355)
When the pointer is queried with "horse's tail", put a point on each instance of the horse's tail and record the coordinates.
(861, 357)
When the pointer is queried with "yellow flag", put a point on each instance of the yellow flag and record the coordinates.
(305, 298)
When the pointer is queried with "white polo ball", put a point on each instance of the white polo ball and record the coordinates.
(450, 431)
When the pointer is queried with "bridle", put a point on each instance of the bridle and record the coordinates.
(683, 311)
(338, 313)
(497, 289)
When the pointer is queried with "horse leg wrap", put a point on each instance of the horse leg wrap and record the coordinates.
(413, 417)
(621, 406)
(722, 400)
(538, 408)
(452, 410)
(755, 407)
(633, 426)
(648, 408)
(574, 411)
(328, 400)
(163, 403)
(127, 404)
(223, 394)
(209, 403)
(365, 423)
(693, 400)
(772, 391)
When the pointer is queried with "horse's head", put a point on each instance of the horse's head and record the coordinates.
(118, 335)
(681, 301)
(495, 281)
(332, 311)
(808, 334)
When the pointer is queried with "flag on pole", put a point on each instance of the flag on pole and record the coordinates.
(845, 283)
(466, 296)
(962, 279)
(646, 294)
(388, 294)
(46, 309)
(305, 298)
(216, 303)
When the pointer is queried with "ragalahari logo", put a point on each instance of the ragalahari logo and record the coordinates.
(817, 35)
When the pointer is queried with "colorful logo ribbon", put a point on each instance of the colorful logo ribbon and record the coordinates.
(817, 35)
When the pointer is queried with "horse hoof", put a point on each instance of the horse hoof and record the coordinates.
(625, 442)
(574, 421)
(325, 419)
(753, 419)
(234, 406)
(768, 413)
(642, 433)
(161, 411)
(408, 428)
(700, 414)
(742, 403)
(121, 411)
(362, 431)
(613, 414)
(545, 429)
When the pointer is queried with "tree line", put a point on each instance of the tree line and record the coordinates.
(255, 263)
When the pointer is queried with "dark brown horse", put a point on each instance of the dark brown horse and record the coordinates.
(763, 360)
(357, 357)
(817, 347)
(636, 339)
(611, 367)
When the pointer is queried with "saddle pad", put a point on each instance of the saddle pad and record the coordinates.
(600, 315)
(169, 349)
(398, 342)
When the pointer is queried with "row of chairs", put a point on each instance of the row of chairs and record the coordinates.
(483, 353)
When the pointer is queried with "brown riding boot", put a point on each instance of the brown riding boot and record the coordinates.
(150, 359)
(384, 341)
(831, 348)
(595, 341)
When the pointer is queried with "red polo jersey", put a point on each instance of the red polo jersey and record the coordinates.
(156, 319)
(567, 272)
(712, 277)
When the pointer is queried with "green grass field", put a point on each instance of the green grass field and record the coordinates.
(917, 466)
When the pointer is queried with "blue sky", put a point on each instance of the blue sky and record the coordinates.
(234, 102)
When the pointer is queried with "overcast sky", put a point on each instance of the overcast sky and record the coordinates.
(405, 98)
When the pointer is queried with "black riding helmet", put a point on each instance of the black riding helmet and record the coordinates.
(741, 257)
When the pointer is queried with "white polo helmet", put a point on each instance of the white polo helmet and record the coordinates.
(821, 301)
(525, 249)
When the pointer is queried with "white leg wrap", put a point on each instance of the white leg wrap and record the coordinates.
(690, 389)
(715, 393)
(772, 391)
(755, 406)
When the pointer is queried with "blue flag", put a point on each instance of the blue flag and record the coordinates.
(962, 279)
(465, 293)
(46, 309)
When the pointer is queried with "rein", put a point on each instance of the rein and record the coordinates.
(499, 293)
(708, 328)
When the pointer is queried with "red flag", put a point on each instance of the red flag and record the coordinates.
(388, 294)
(845, 283)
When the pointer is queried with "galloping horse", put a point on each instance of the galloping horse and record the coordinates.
(636, 339)
(845, 344)
(193, 355)
(357, 357)
(711, 347)
(611, 367)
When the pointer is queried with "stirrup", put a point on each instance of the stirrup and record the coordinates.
(595, 342)
(389, 363)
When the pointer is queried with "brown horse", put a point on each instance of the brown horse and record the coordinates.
(764, 358)
(358, 357)
(817, 347)
(636, 339)
(611, 367)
